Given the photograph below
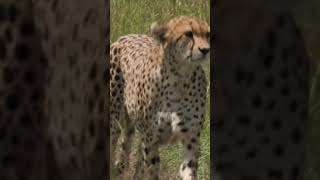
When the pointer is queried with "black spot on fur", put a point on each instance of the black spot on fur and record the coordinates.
(296, 136)
(274, 173)
(8, 75)
(278, 150)
(184, 130)
(270, 105)
(146, 151)
(284, 72)
(260, 127)
(222, 149)
(155, 160)
(276, 124)
(36, 95)
(219, 123)
(97, 89)
(30, 77)
(295, 172)
(242, 141)
(27, 28)
(189, 146)
(268, 61)
(257, 101)
(244, 119)
(116, 77)
(271, 39)
(13, 13)
(269, 82)
(191, 164)
(3, 133)
(87, 16)
(225, 166)
(8, 160)
(12, 101)
(293, 106)
(249, 177)
(2, 13)
(54, 4)
(184, 167)
(25, 119)
(280, 21)
(251, 153)
(15, 140)
(93, 72)
(239, 74)
(265, 140)
(285, 54)
(22, 52)
(3, 50)
(285, 91)
(73, 162)
(181, 123)
(91, 128)
(90, 105)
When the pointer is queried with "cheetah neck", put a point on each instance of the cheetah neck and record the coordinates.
(177, 67)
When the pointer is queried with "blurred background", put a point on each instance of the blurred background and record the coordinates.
(307, 14)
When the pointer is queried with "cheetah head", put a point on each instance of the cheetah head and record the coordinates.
(185, 38)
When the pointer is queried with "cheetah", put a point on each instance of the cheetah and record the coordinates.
(261, 92)
(53, 121)
(157, 85)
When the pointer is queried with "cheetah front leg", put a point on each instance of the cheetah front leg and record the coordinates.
(188, 168)
(151, 156)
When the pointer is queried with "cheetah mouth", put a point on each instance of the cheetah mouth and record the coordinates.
(199, 59)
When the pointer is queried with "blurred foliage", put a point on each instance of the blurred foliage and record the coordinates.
(307, 14)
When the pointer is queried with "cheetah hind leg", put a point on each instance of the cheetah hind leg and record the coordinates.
(122, 160)
(115, 133)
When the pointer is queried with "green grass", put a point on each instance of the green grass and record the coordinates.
(130, 16)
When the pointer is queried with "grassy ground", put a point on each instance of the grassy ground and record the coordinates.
(129, 16)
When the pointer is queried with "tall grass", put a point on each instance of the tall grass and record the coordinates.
(136, 16)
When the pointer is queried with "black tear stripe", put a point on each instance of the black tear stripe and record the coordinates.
(192, 47)
(179, 38)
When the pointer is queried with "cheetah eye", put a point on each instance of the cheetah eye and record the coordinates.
(189, 34)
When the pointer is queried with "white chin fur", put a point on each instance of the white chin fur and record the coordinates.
(200, 57)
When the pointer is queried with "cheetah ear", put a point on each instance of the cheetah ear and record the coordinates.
(158, 31)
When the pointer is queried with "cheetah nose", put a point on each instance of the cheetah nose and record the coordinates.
(204, 51)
